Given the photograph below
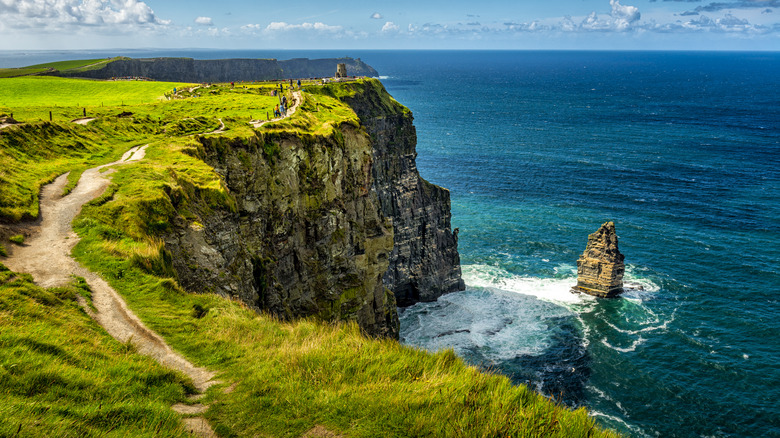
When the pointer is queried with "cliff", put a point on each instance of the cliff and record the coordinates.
(221, 70)
(334, 223)
(425, 263)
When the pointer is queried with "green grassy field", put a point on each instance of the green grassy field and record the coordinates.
(71, 64)
(285, 377)
(52, 92)
(24, 71)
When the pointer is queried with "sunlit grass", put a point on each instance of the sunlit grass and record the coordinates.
(62, 375)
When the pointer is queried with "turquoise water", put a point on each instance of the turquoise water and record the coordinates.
(681, 150)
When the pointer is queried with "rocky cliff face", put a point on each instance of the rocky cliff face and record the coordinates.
(307, 236)
(425, 263)
(600, 268)
(335, 225)
(224, 70)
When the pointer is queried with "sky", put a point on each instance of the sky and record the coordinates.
(400, 24)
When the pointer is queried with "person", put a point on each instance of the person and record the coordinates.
(284, 100)
(299, 84)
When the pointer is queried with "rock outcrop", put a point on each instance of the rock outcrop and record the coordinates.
(335, 225)
(222, 70)
(600, 268)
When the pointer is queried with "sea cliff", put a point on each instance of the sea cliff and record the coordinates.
(336, 224)
(219, 70)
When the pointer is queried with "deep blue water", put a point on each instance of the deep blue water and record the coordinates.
(681, 150)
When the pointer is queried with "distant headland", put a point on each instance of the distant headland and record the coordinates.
(198, 70)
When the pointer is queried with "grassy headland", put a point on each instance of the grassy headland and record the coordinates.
(283, 378)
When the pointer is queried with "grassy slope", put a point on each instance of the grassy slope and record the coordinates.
(289, 377)
(62, 375)
(71, 64)
(24, 71)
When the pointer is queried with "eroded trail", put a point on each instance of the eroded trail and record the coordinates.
(297, 99)
(46, 256)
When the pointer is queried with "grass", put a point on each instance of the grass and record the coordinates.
(24, 71)
(62, 375)
(77, 64)
(287, 377)
(52, 92)
(17, 239)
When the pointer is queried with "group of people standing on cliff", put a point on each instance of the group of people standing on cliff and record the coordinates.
(281, 109)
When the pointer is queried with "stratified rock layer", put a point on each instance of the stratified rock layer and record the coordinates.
(600, 268)
(335, 225)
(425, 263)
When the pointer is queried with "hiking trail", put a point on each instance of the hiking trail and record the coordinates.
(46, 256)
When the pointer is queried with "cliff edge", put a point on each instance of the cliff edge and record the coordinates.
(333, 222)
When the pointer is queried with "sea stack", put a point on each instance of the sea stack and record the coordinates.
(600, 268)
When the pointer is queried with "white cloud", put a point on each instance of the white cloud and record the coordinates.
(390, 27)
(623, 16)
(376, 16)
(204, 21)
(281, 26)
(251, 27)
(57, 15)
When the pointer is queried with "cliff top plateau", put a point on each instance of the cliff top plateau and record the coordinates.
(195, 70)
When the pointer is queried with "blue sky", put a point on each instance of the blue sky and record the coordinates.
(401, 24)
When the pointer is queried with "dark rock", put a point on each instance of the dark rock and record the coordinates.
(425, 263)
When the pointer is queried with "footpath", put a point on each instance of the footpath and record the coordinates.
(46, 256)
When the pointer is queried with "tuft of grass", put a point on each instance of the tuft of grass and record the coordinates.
(3, 252)
(62, 375)
(17, 239)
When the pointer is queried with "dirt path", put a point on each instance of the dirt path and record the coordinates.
(290, 111)
(46, 255)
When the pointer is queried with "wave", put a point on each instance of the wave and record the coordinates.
(556, 290)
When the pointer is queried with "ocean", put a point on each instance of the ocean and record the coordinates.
(680, 149)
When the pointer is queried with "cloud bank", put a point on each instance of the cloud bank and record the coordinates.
(58, 15)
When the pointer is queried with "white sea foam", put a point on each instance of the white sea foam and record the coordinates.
(556, 290)
(633, 346)
(636, 430)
